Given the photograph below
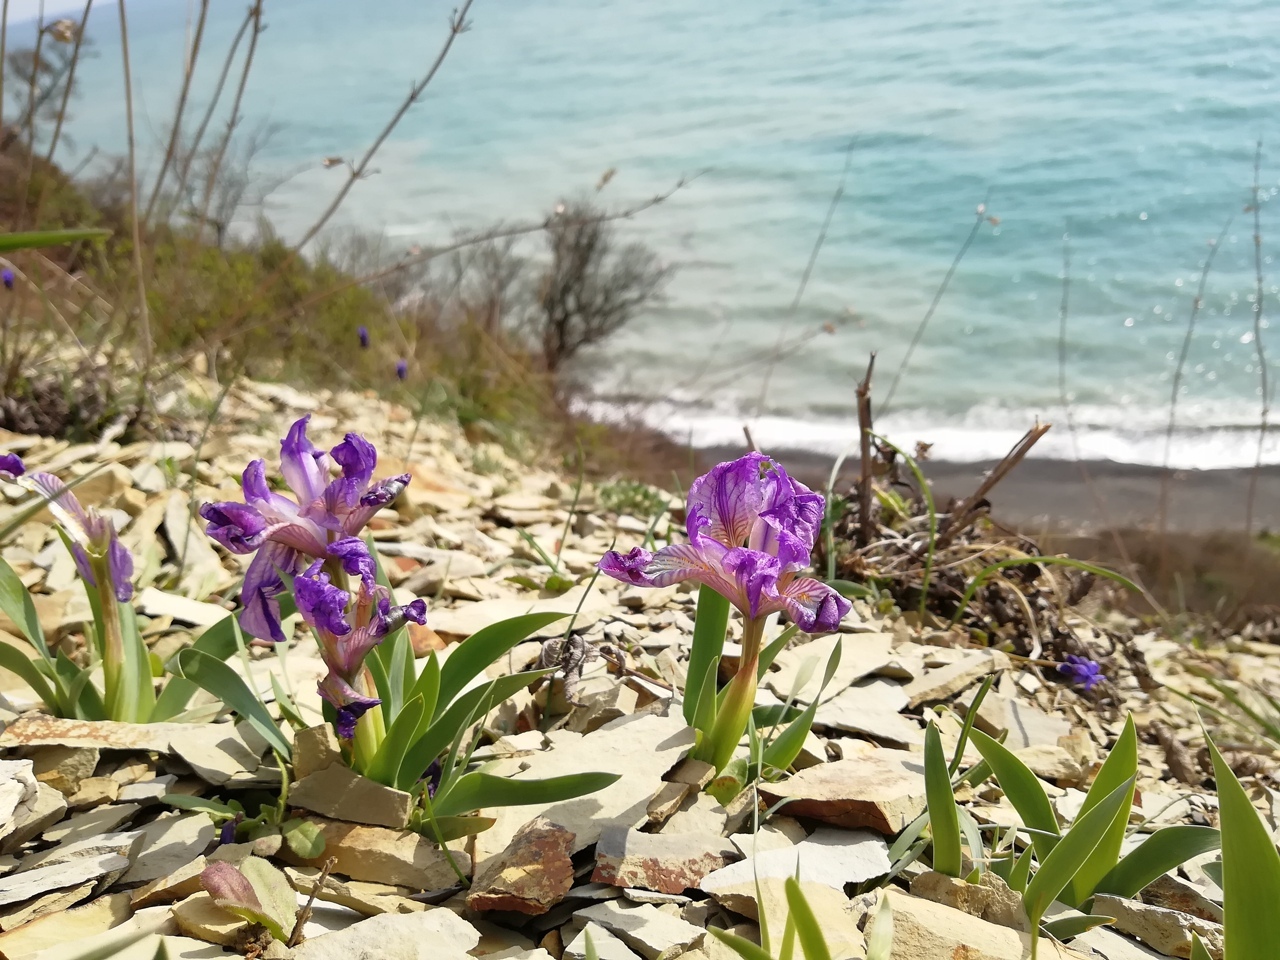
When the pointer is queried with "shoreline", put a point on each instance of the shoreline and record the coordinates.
(1063, 496)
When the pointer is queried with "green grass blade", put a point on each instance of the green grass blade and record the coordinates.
(1250, 872)
(445, 728)
(770, 653)
(880, 932)
(970, 716)
(709, 626)
(427, 686)
(973, 837)
(136, 676)
(1023, 790)
(908, 836)
(1020, 875)
(48, 238)
(1158, 854)
(18, 606)
(1121, 766)
(785, 747)
(1198, 950)
(482, 648)
(385, 766)
(1072, 851)
(927, 492)
(218, 641)
(13, 659)
(947, 855)
(812, 942)
(476, 790)
(215, 677)
(704, 710)
(739, 945)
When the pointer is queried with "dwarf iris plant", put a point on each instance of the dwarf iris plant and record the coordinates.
(410, 728)
(751, 530)
(105, 567)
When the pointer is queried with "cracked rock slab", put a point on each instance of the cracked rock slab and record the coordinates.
(645, 929)
(531, 875)
(883, 791)
(666, 863)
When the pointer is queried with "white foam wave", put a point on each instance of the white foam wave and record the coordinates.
(1211, 435)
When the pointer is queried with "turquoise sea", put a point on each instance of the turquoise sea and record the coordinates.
(1130, 127)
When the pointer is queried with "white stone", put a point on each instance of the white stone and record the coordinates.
(439, 933)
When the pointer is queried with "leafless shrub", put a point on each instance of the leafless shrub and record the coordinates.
(591, 287)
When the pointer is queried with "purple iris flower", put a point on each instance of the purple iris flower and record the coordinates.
(6, 277)
(402, 369)
(1082, 671)
(284, 533)
(11, 466)
(94, 543)
(348, 626)
(363, 333)
(751, 530)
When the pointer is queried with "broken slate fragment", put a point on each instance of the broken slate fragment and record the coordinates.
(645, 929)
(532, 875)
(605, 944)
(666, 863)
(48, 808)
(168, 844)
(1165, 931)
(437, 933)
(883, 790)
(382, 855)
(339, 792)
(943, 682)
(18, 887)
(366, 899)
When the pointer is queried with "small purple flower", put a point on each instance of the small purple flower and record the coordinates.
(402, 369)
(350, 705)
(432, 777)
(283, 533)
(751, 529)
(6, 277)
(94, 542)
(11, 466)
(363, 333)
(1082, 671)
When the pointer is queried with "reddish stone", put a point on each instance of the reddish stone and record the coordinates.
(531, 875)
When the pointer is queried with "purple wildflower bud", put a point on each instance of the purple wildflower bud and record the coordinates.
(228, 832)
(390, 619)
(350, 705)
(304, 465)
(321, 604)
(6, 277)
(363, 333)
(1082, 671)
(11, 466)
(356, 561)
(402, 369)
(628, 567)
(237, 526)
(433, 775)
(120, 567)
(82, 565)
(384, 492)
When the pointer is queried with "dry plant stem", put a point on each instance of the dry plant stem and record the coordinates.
(184, 166)
(1162, 513)
(62, 107)
(866, 525)
(804, 277)
(967, 512)
(4, 52)
(1264, 382)
(979, 218)
(143, 314)
(305, 913)
(751, 443)
(170, 150)
(234, 120)
(30, 119)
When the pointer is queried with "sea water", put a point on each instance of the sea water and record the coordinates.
(1124, 132)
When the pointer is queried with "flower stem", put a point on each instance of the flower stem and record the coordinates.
(371, 730)
(120, 700)
(739, 700)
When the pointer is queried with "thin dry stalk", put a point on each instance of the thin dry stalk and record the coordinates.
(457, 26)
(190, 152)
(751, 442)
(968, 511)
(808, 272)
(234, 120)
(62, 108)
(980, 217)
(866, 525)
(4, 52)
(174, 134)
(143, 313)
(305, 913)
(1162, 513)
(1257, 343)
(30, 119)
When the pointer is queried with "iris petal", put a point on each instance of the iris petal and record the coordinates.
(813, 606)
(303, 464)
